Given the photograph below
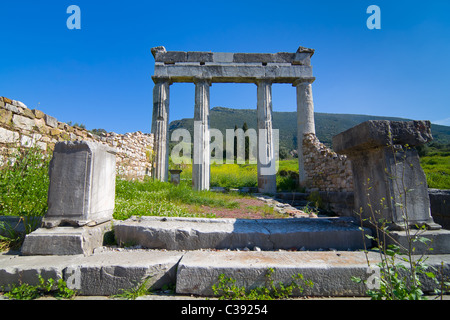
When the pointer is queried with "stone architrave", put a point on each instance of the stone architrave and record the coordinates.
(388, 178)
(201, 163)
(82, 184)
(305, 119)
(267, 182)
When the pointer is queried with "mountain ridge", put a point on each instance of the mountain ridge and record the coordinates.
(327, 124)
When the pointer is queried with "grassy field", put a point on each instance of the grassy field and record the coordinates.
(155, 198)
(437, 170)
(244, 175)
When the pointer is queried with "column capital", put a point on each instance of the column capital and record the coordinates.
(263, 81)
(162, 79)
(203, 80)
(303, 80)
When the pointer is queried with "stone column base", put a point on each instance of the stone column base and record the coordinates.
(61, 241)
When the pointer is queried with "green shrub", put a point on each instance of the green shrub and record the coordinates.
(24, 183)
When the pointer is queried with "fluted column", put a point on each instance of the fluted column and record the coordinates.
(266, 156)
(201, 165)
(160, 128)
(305, 119)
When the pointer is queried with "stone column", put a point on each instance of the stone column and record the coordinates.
(266, 157)
(201, 163)
(160, 128)
(387, 175)
(305, 120)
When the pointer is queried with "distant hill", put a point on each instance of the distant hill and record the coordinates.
(327, 124)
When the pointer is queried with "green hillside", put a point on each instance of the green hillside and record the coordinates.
(327, 124)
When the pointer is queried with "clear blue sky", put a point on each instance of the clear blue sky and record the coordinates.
(101, 75)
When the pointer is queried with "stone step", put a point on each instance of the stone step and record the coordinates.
(265, 234)
(110, 271)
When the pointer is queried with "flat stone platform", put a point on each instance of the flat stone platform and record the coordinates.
(109, 271)
(265, 234)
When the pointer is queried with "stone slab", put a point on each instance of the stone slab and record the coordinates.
(105, 273)
(439, 240)
(330, 272)
(109, 273)
(266, 234)
(16, 269)
(65, 240)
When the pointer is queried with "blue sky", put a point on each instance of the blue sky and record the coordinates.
(101, 75)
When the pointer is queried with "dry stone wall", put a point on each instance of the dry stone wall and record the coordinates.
(22, 127)
(325, 169)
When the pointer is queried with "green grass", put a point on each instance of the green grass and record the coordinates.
(155, 198)
(244, 175)
(437, 170)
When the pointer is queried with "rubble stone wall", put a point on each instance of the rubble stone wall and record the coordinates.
(22, 127)
(325, 169)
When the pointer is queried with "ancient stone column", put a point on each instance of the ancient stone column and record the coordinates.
(389, 182)
(266, 156)
(160, 128)
(201, 163)
(305, 119)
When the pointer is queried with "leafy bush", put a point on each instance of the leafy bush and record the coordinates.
(24, 183)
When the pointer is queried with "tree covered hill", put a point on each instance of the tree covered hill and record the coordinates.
(327, 124)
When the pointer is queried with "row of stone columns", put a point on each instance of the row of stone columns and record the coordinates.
(201, 163)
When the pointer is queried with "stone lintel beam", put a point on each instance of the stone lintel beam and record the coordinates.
(301, 57)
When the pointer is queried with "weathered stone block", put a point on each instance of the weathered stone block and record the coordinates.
(65, 240)
(11, 107)
(82, 184)
(5, 116)
(6, 100)
(51, 121)
(28, 113)
(55, 132)
(253, 57)
(38, 114)
(199, 57)
(171, 57)
(382, 133)
(23, 122)
(388, 178)
(7, 136)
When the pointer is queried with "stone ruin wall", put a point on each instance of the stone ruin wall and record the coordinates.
(22, 127)
(325, 169)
